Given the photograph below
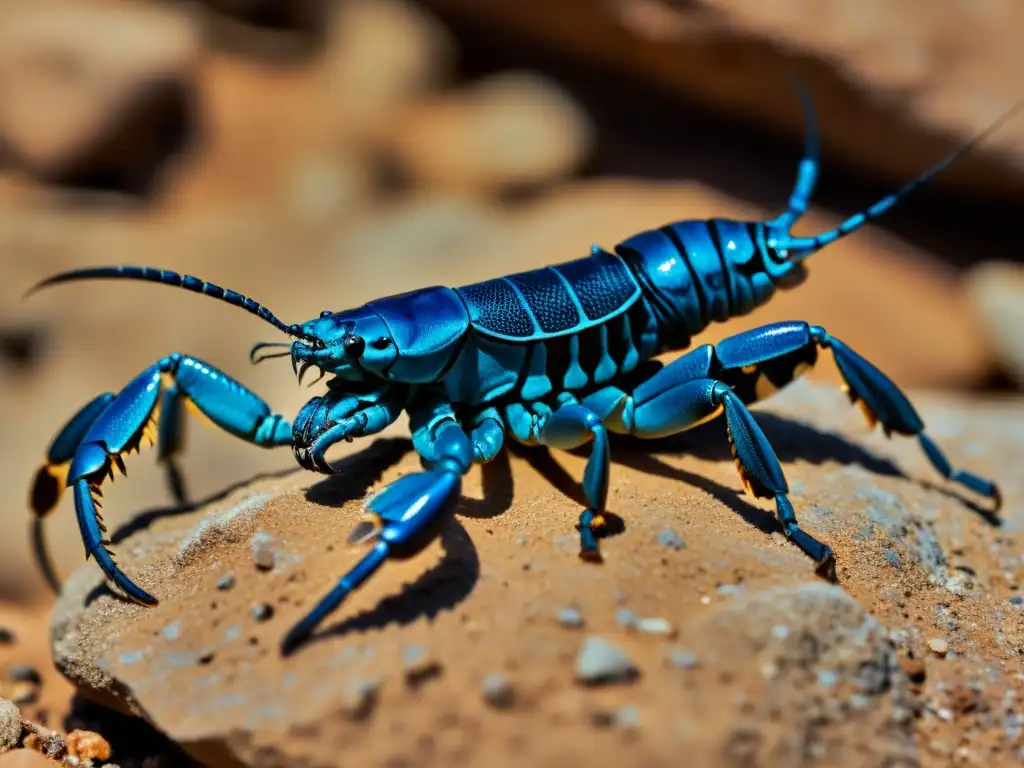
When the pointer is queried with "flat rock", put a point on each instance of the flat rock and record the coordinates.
(787, 665)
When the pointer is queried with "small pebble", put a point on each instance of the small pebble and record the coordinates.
(1017, 600)
(419, 665)
(570, 618)
(892, 557)
(626, 618)
(498, 691)
(261, 611)
(827, 678)
(671, 539)
(226, 582)
(359, 698)
(656, 626)
(23, 673)
(263, 551)
(682, 658)
(627, 717)
(172, 631)
(601, 662)
(860, 701)
(413, 655)
(939, 646)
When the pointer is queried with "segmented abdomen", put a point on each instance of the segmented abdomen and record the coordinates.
(698, 272)
(553, 301)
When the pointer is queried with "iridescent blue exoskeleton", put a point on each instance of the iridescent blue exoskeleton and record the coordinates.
(558, 356)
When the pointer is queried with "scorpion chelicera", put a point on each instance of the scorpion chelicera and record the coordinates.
(559, 356)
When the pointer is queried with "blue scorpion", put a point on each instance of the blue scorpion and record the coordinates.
(559, 356)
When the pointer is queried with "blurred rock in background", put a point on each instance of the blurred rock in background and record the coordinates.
(897, 84)
(315, 154)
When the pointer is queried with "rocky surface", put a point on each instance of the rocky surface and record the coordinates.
(899, 83)
(766, 664)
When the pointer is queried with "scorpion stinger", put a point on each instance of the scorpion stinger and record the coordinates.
(796, 249)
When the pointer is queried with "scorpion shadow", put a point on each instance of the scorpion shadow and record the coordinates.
(444, 585)
(452, 580)
(794, 440)
(790, 438)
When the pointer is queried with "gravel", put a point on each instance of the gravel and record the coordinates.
(570, 618)
(226, 582)
(599, 662)
(264, 551)
(671, 539)
(498, 691)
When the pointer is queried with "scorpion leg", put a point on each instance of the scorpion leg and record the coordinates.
(569, 427)
(882, 401)
(671, 402)
(403, 518)
(760, 361)
(120, 427)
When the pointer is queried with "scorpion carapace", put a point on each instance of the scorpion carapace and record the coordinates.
(558, 356)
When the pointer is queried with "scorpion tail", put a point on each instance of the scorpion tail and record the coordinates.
(799, 248)
(166, 277)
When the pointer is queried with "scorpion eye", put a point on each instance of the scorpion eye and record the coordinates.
(382, 343)
(354, 345)
(326, 313)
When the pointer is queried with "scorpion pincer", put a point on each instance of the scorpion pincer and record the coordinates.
(558, 356)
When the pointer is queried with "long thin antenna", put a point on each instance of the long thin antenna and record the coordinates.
(165, 277)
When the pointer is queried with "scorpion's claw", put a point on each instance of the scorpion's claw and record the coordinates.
(96, 545)
(403, 519)
(117, 430)
(51, 479)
